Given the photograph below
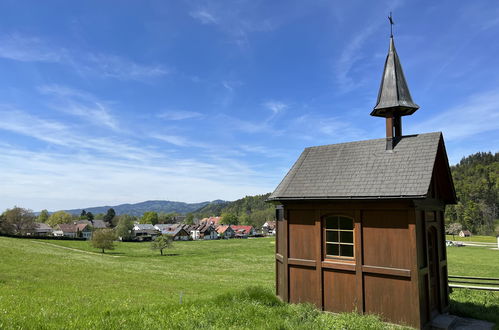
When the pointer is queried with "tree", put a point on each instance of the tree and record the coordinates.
(149, 217)
(83, 215)
(109, 216)
(103, 239)
(17, 221)
(453, 229)
(124, 226)
(229, 219)
(90, 216)
(44, 216)
(189, 220)
(162, 242)
(58, 218)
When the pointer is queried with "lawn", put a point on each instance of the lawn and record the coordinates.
(202, 284)
(484, 239)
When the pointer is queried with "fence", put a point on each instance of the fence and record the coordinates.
(474, 283)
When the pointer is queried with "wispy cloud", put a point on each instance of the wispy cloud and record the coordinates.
(81, 104)
(203, 16)
(30, 49)
(275, 106)
(477, 115)
(33, 49)
(64, 135)
(179, 115)
(237, 20)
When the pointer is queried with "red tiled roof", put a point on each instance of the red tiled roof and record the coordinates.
(244, 229)
(212, 220)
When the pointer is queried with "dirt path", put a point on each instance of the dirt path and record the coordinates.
(76, 250)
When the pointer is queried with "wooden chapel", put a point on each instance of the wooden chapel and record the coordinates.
(360, 225)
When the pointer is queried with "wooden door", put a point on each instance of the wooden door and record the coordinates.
(433, 272)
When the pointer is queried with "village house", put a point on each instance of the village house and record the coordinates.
(215, 221)
(207, 232)
(465, 233)
(66, 230)
(96, 224)
(268, 228)
(243, 231)
(176, 231)
(83, 230)
(225, 231)
(360, 225)
(144, 232)
(42, 229)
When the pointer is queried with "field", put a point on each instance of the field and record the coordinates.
(202, 284)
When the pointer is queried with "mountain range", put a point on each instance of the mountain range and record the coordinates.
(138, 209)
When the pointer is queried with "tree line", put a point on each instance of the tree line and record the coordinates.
(476, 180)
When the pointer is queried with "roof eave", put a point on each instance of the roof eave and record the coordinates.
(323, 198)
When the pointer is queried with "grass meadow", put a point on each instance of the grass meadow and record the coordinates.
(201, 284)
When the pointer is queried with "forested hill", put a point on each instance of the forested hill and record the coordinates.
(139, 208)
(476, 179)
(251, 210)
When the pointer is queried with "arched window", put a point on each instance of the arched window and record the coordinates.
(339, 236)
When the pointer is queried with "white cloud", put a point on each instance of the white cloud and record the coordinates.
(275, 106)
(179, 115)
(477, 115)
(32, 49)
(81, 104)
(203, 16)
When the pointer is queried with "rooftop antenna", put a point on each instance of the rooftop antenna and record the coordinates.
(390, 18)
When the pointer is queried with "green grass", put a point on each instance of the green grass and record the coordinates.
(474, 261)
(224, 284)
(485, 239)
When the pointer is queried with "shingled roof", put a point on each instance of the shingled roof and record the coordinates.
(362, 170)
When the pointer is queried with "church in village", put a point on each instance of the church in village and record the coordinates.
(360, 225)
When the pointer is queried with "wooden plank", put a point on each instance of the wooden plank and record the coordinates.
(318, 257)
(338, 265)
(279, 257)
(386, 271)
(285, 295)
(487, 288)
(359, 278)
(301, 262)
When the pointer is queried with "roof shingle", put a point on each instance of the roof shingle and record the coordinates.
(362, 169)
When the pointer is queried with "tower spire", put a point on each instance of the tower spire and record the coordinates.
(394, 98)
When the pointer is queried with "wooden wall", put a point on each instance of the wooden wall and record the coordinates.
(383, 277)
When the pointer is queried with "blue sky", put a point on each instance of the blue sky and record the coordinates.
(108, 102)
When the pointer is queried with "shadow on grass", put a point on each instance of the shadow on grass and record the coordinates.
(480, 305)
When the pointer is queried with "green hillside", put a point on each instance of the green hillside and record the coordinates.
(476, 179)
(250, 210)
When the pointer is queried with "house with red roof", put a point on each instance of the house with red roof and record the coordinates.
(243, 231)
(225, 232)
(215, 221)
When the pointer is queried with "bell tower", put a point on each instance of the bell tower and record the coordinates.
(394, 98)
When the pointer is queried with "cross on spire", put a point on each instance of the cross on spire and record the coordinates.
(390, 18)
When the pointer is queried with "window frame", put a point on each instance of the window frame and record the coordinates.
(325, 242)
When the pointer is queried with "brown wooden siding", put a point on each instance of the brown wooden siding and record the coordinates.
(388, 274)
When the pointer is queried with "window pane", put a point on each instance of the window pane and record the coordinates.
(347, 250)
(347, 237)
(332, 222)
(333, 249)
(346, 223)
(332, 236)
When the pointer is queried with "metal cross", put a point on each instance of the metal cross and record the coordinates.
(390, 18)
